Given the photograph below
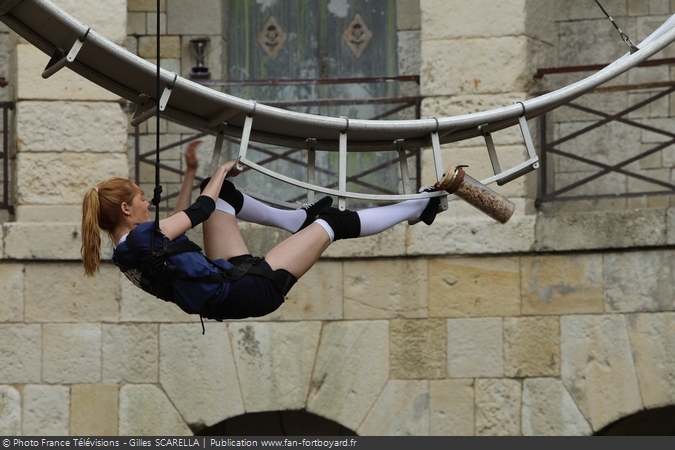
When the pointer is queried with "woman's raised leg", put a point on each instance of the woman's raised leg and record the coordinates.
(298, 253)
(222, 237)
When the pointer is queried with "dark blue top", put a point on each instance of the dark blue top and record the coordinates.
(190, 296)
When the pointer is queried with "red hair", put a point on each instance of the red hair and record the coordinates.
(101, 209)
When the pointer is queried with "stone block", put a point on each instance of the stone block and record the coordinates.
(451, 408)
(498, 407)
(65, 85)
(93, 409)
(136, 22)
(169, 47)
(71, 353)
(549, 410)
(659, 7)
(597, 367)
(470, 287)
(11, 302)
(601, 229)
(638, 8)
(652, 340)
(145, 5)
(61, 293)
(108, 18)
(146, 411)
(443, 20)
(578, 9)
(49, 213)
(408, 15)
(45, 241)
(639, 281)
(67, 126)
(531, 347)
(318, 295)
(151, 24)
(417, 349)
(475, 348)
(467, 231)
(670, 225)
(136, 305)
(49, 178)
(202, 18)
(130, 353)
(574, 36)
(467, 66)
(274, 363)
(562, 284)
(402, 409)
(385, 289)
(409, 57)
(214, 393)
(20, 353)
(46, 410)
(339, 390)
(10, 411)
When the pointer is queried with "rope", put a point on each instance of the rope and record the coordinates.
(157, 194)
(623, 35)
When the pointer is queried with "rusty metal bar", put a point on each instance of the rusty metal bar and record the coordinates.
(310, 81)
(540, 73)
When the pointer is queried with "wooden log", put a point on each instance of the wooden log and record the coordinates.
(457, 182)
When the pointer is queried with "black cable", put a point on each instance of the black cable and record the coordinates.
(157, 195)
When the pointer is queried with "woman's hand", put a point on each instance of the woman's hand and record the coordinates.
(230, 168)
(191, 161)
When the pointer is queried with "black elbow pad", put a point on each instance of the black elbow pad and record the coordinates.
(200, 210)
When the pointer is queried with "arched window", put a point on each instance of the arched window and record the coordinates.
(277, 423)
(650, 422)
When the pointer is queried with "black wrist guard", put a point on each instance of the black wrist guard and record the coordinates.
(200, 210)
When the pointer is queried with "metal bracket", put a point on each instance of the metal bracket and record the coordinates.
(403, 163)
(217, 149)
(60, 58)
(243, 145)
(147, 108)
(532, 163)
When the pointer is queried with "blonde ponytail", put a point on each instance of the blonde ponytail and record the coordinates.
(101, 211)
(91, 238)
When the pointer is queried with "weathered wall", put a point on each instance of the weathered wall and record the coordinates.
(556, 323)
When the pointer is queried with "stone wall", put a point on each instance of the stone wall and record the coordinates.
(558, 322)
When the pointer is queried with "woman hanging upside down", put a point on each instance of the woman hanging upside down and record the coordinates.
(224, 282)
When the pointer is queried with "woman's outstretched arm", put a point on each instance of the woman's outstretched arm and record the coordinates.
(179, 223)
(191, 163)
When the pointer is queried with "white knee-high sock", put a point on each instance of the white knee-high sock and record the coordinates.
(376, 220)
(257, 212)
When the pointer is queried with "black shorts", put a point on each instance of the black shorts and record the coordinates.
(249, 296)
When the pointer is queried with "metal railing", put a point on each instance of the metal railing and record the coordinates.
(294, 157)
(4, 157)
(552, 187)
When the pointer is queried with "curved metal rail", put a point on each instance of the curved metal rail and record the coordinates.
(74, 45)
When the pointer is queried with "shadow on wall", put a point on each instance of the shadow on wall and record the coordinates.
(650, 422)
(277, 423)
